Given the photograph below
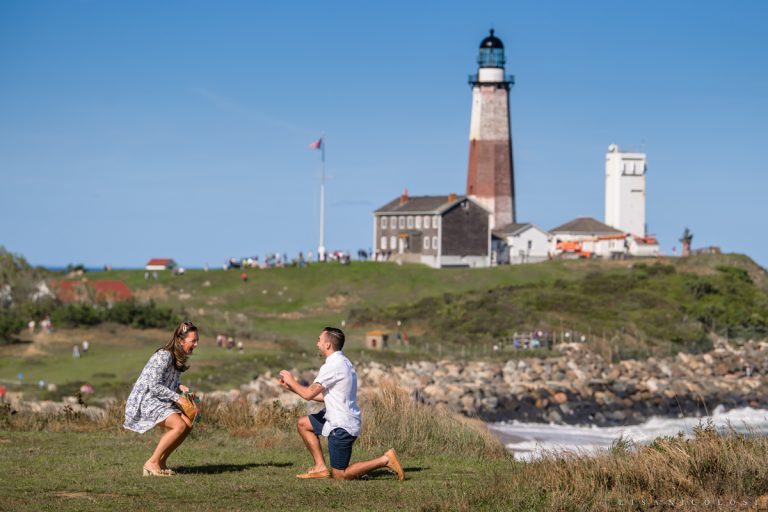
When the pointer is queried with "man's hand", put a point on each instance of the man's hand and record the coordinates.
(306, 392)
(286, 380)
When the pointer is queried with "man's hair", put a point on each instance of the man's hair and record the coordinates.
(336, 337)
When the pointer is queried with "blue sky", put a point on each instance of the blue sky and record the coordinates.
(131, 130)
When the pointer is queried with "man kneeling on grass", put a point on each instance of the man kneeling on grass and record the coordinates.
(336, 386)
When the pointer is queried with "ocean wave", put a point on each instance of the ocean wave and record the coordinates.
(527, 441)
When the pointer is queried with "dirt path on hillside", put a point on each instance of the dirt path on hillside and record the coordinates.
(42, 344)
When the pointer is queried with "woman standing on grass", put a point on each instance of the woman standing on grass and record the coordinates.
(155, 398)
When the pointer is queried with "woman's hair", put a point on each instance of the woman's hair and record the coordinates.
(174, 345)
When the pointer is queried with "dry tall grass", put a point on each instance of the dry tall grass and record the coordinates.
(712, 467)
(391, 418)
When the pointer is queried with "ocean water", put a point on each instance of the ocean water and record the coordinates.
(527, 441)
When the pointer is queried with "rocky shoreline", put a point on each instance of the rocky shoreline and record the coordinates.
(579, 387)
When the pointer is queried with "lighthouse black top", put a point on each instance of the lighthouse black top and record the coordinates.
(491, 52)
(491, 42)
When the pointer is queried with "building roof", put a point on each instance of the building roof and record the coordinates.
(585, 226)
(512, 229)
(160, 261)
(421, 204)
(75, 291)
(491, 42)
(645, 240)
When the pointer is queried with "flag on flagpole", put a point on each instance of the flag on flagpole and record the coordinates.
(317, 144)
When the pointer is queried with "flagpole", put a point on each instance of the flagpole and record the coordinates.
(321, 248)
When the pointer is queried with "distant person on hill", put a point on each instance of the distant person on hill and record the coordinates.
(156, 400)
(336, 386)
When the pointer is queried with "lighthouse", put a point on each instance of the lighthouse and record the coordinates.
(490, 176)
(625, 190)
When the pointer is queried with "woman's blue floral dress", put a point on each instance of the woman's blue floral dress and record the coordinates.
(152, 397)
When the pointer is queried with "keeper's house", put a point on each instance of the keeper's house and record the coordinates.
(520, 243)
(439, 231)
(160, 264)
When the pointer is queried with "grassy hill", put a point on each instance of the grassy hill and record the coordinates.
(643, 309)
(629, 308)
(293, 302)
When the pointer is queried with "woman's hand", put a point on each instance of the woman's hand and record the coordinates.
(187, 407)
(183, 388)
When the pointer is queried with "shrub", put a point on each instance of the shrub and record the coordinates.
(73, 315)
(140, 315)
(128, 312)
(9, 325)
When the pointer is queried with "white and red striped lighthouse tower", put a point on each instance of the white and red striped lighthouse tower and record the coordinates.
(490, 177)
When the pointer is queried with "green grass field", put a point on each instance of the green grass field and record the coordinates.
(219, 469)
(102, 471)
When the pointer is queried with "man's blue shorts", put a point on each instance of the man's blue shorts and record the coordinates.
(339, 441)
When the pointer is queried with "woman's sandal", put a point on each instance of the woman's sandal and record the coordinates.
(168, 471)
(153, 472)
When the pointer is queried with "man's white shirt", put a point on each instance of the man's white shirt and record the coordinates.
(339, 381)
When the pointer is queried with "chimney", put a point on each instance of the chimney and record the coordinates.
(451, 197)
(404, 197)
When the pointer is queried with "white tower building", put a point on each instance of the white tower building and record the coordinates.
(625, 190)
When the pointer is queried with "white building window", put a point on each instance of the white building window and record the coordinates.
(392, 243)
(383, 243)
(401, 222)
(426, 242)
(418, 222)
(426, 222)
(393, 222)
(434, 242)
(436, 221)
(410, 222)
(383, 222)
